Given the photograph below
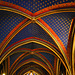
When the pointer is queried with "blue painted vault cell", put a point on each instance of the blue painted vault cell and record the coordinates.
(8, 21)
(60, 23)
(32, 30)
(36, 5)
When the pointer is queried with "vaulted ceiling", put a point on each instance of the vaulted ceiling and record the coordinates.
(36, 33)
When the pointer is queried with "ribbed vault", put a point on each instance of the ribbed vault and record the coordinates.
(37, 33)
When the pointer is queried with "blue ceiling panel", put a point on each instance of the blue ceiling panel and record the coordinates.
(8, 21)
(32, 30)
(60, 23)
